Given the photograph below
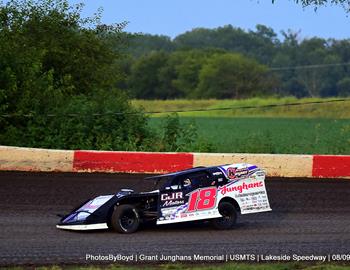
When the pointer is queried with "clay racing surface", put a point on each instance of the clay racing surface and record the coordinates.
(309, 217)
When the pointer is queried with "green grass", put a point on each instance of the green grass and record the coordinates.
(302, 129)
(336, 110)
(228, 266)
(272, 135)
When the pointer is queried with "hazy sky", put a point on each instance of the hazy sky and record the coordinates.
(177, 16)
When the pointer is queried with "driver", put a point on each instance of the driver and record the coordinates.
(187, 183)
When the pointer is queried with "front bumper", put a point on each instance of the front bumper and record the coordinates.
(82, 227)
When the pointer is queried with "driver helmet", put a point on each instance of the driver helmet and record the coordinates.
(187, 182)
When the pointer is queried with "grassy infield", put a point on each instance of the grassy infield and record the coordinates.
(319, 128)
(303, 129)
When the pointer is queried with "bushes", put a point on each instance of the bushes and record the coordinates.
(181, 137)
(83, 123)
(94, 123)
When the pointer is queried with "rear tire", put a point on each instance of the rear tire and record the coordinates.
(228, 219)
(125, 219)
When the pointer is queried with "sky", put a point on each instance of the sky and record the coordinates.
(171, 18)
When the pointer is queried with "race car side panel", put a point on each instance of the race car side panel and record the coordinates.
(245, 185)
(180, 207)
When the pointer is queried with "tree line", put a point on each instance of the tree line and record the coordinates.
(229, 62)
(65, 80)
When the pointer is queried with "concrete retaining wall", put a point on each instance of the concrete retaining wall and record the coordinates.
(275, 165)
(31, 159)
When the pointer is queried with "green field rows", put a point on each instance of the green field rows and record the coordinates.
(272, 135)
(334, 110)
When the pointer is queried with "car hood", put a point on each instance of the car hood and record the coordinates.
(87, 209)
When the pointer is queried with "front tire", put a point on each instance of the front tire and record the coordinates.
(125, 219)
(228, 219)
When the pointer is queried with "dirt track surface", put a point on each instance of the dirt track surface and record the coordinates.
(308, 218)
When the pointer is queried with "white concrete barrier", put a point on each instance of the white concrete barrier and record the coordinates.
(275, 165)
(279, 165)
(32, 159)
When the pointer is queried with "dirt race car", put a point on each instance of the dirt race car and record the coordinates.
(201, 193)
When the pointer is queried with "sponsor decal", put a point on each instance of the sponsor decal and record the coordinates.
(171, 196)
(252, 167)
(178, 211)
(172, 203)
(239, 188)
(202, 199)
(234, 173)
(231, 172)
(172, 199)
(250, 194)
(95, 203)
(241, 172)
(260, 174)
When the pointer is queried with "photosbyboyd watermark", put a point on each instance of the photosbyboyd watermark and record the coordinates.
(132, 258)
(110, 258)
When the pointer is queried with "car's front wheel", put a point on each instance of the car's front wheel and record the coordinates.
(228, 219)
(125, 219)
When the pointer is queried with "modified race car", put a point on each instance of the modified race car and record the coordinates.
(203, 193)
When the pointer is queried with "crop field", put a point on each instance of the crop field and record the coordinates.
(302, 129)
(271, 135)
(332, 110)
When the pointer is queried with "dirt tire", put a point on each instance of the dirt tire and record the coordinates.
(125, 219)
(228, 219)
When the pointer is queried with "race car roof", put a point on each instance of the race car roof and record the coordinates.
(192, 170)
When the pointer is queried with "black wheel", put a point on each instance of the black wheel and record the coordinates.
(228, 219)
(125, 219)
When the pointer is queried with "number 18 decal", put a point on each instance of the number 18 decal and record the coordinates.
(202, 199)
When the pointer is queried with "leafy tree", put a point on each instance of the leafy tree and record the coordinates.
(146, 76)
(44, 45)
(311, 52)
(258, 44)
(344, 87)
(179, 74)
(319, 3)
(141, 44)
(187, 64)
(54, 62)
(162, 75)
(231, 76)
(330, 76)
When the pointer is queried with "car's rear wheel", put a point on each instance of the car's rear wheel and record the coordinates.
(228, 219)
(125, 219)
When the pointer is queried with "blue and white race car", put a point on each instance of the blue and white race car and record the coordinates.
(215, 193)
